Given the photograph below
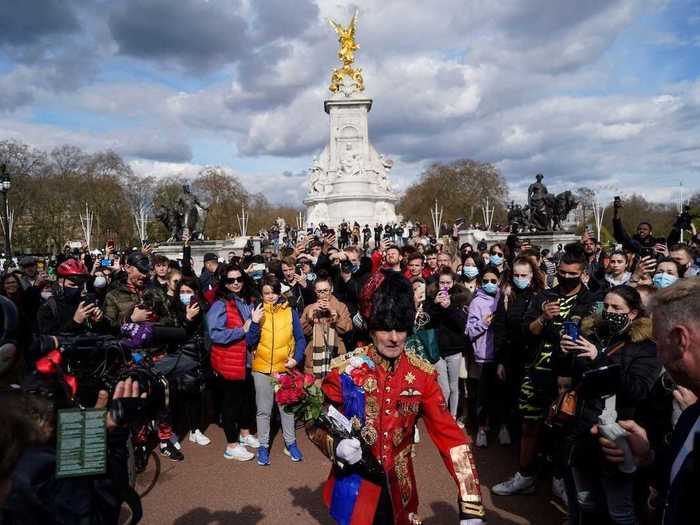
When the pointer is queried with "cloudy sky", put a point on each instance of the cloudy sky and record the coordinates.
(604, 93)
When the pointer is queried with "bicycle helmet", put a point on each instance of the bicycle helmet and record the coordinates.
(72, 268)
(8, 334)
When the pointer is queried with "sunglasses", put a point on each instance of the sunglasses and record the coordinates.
(233, 280)
(493, 281)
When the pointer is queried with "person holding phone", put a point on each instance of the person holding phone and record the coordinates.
(71, 310)
(543, 322)
(447, 311)
(278, 343)
(620, 341)
(229, 322)
(486, 336)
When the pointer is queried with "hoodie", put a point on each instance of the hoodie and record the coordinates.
(480, 334)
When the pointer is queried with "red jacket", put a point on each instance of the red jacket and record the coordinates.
(394, 398)
(228, 360)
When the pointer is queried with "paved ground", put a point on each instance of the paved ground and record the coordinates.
(206, 489)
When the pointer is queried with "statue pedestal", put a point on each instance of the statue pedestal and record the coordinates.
(545, 240)
(173, 250)
(349, 181)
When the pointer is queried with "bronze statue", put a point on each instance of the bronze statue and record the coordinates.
(187, 218)
(540, 217)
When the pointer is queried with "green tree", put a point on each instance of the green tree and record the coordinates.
(460, 187)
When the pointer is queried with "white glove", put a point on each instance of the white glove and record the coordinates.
(472, 521)
(349, 450)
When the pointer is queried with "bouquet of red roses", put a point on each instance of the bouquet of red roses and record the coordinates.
(298, 394)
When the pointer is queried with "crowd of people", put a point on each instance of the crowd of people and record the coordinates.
(532, 348)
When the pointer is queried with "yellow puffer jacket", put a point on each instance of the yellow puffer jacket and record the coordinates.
(276, 343)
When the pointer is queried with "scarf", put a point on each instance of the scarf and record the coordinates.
(324, 346)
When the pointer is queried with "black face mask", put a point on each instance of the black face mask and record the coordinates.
(617, 323)
(71, 295)
(568, 284)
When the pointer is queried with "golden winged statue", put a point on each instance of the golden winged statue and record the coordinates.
(346, 54)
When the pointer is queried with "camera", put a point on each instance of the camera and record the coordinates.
(322, 313)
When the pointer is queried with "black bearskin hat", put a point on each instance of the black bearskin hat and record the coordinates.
(392, 304)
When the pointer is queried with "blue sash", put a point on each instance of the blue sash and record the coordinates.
(347, 488)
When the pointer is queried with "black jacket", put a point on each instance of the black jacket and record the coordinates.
(680, 500)
(517, 346)
(55, 317)
(635, 353)
(450, 322)
(39, 498)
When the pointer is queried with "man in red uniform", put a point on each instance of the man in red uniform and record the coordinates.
(382, 389)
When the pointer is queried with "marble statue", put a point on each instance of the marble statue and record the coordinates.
(349, 179)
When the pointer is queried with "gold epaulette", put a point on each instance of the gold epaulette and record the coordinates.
(342, 360)
(420, 362)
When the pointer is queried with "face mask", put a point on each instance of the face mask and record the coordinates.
(490, 288)
(521, 282)
(100, 282)
(664, 280)
(46, 295)
(71, 295)
(568, 284)
(495, 260)
(470, 272)
(354, 268)
(185, 298)
(310, 276)
(617, 323)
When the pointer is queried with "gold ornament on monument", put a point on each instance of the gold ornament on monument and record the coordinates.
(346, 54)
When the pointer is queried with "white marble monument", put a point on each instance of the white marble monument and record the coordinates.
(350, 180)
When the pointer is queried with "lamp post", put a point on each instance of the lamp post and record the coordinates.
(5, 185)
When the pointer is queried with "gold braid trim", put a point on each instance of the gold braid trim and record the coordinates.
(341, 361)
(465, 472)
(420, 363)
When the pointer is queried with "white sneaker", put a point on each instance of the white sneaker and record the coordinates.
(481, 439)
(518, 484)
(199, 438)
(559, 490)
(249, 441)
(504, 435)
(239, 453)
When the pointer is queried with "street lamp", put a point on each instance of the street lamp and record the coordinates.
(5, 185)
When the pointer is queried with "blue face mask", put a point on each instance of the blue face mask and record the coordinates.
(495, 260)
(664, 280)
(521, 283)
(185, 298)
(490, 288)
(470, 272)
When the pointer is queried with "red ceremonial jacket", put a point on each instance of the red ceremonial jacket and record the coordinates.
(394, 399)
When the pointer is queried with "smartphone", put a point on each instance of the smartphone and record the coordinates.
(107, 263)
(571, 329)
(193, 300)
(648, 252)
(601, 382)
(90, 298)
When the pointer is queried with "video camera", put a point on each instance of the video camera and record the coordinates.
(99, 362)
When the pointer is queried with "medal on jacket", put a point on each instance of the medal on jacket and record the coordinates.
(369, 434)
(371, 407)
(370, 385)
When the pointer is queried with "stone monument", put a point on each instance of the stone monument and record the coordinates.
(350, 180)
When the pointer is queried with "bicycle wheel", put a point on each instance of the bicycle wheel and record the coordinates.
(147, 478)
